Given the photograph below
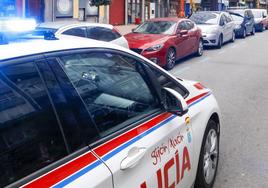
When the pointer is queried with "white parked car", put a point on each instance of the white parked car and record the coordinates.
(84, 114)
(102, 32)
(217, 27)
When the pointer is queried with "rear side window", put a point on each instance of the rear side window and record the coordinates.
(112, 88)
(102, 34)
(30, 137)
(78, 31)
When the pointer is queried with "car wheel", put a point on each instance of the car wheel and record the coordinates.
(244, 35)
(262, 28)
(253, 31)
(220, 41)
(170, 59)
(200, 49)
(209, 157)
(233, 37)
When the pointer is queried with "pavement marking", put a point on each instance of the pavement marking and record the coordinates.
(221, 52)
(234, 46)
(182, 70)
(203, 60)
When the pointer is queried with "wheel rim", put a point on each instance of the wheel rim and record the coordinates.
(200, 48)
(171, 59)
(210, 156)
(244, 35)
(253, 30)
(233, 36)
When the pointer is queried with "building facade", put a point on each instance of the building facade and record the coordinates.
(119, 12)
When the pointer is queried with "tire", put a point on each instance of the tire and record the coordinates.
(244, 35)
(262, 28)
(170, 59)
(200, 49)
(253, 31)
(220, 41)
(233, 37)
(208, 158)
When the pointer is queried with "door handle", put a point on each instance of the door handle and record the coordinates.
(134, 155)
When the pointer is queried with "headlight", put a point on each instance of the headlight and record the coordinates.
(237, 26)
(155, 48)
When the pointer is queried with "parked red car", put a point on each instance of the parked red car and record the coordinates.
(165, 40)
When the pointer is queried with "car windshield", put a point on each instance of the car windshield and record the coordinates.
(240, 12)
(237, 17)
(257, 14)
(205, 18)
(156, 27)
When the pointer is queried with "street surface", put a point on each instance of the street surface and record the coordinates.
(238, 76)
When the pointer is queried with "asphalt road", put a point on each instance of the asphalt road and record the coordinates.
(238, 77)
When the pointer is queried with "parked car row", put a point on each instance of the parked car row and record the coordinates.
(165, 40)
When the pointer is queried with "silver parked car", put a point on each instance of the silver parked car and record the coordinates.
(217, 27)
(102, 32)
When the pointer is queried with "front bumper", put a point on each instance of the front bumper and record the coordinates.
(210, 39)
(258, 26)
(239, 32)
(158, 57)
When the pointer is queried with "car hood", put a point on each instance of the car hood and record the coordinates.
(257, 20)
(142, 41)
(207, 28)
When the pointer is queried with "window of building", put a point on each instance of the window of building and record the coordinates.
(30, 137)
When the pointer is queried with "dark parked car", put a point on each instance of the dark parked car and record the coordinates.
(244, 22)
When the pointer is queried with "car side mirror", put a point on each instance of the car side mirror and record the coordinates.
(173, 102)
(183, 32)
(264, 16)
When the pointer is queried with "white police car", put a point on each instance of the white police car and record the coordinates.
(81, 113)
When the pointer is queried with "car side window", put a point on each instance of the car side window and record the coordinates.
(222, 20)
(102, 34)
(77, 31)
(165, 81)
(229, 18)
(30, 136)
(182, 26)
(113, 88)
(190, 25)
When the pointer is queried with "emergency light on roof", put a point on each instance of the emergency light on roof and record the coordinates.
(5, 38)
(17, 25)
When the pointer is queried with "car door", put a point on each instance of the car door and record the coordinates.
(36, 147)
(193, 37)
(142, 144)
(225, 30)
(229, 25)
(182, 40)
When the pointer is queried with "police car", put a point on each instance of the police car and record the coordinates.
(89, 114)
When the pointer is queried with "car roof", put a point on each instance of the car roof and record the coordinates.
(174, 19)
(63, 24)
(26, 47)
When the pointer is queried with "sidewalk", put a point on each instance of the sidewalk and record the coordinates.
(125, 29)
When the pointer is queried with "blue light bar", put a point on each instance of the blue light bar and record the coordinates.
(17, 25)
